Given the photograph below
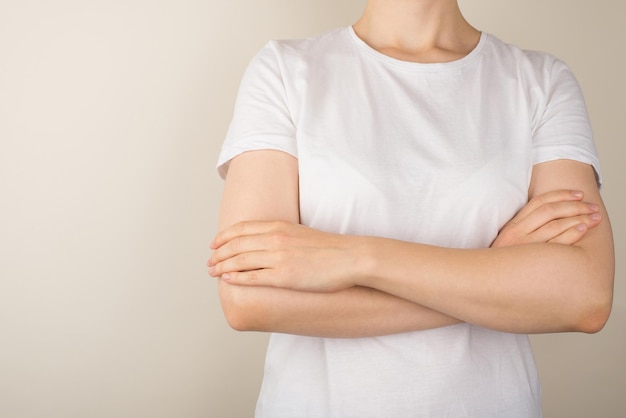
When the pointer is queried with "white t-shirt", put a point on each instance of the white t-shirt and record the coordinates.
(439, 154)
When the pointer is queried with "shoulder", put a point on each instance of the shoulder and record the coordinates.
(294, 53)
(509, 50)
(324, 42)
(541, 68)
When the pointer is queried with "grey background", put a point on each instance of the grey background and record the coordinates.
(111, 117)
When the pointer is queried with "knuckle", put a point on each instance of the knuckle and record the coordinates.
(278, 225)
(243, 226)
(280, 240)
(547, 208)
(253, 276)
(241, 260)
(510, 230)
(535, 202)
(551, 226)
(235, 245)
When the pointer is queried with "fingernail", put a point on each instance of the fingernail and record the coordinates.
(581, 227)
(577, 193)
(593, 207)
(211, 270)
(225, 277)
(596, 217)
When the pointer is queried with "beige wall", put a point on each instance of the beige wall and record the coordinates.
(111, 117)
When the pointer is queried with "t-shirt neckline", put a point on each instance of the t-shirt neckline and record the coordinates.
(438, 66)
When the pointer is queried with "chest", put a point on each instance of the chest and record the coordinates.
(446, 164)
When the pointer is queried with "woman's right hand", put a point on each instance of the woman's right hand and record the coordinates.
(560, 217)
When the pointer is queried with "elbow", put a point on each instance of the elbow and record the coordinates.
(595, 298)
(235, 318)
(594, 319)
(595, 312)
(237, 321)
(237, 308)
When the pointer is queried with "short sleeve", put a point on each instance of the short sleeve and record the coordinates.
(261, 118)
(564, 131)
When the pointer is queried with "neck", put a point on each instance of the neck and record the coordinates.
(417, 30)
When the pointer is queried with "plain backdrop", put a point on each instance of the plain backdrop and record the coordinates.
(112, 113)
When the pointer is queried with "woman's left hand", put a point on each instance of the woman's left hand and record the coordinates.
(286, 255)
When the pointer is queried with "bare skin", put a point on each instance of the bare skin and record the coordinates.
(550, 269)
(271, 298)
(423, 31)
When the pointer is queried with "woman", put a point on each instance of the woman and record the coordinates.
(405, 200)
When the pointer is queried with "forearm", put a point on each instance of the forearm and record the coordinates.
(350, 313)
(528, 288)
(263, 185)
(531, 288)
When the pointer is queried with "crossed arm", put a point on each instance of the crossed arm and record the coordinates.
(550, 269)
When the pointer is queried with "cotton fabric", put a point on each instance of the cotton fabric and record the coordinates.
(439, 154)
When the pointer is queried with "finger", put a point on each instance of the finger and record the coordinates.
(564, 230)
(249, 243)
(237, 245)
(260, 277)
(257, 277)
(571, 236)
(233, 231)
(242, 229)
(574, 234)
(246, 262)
(549, 212)
(546, 198)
